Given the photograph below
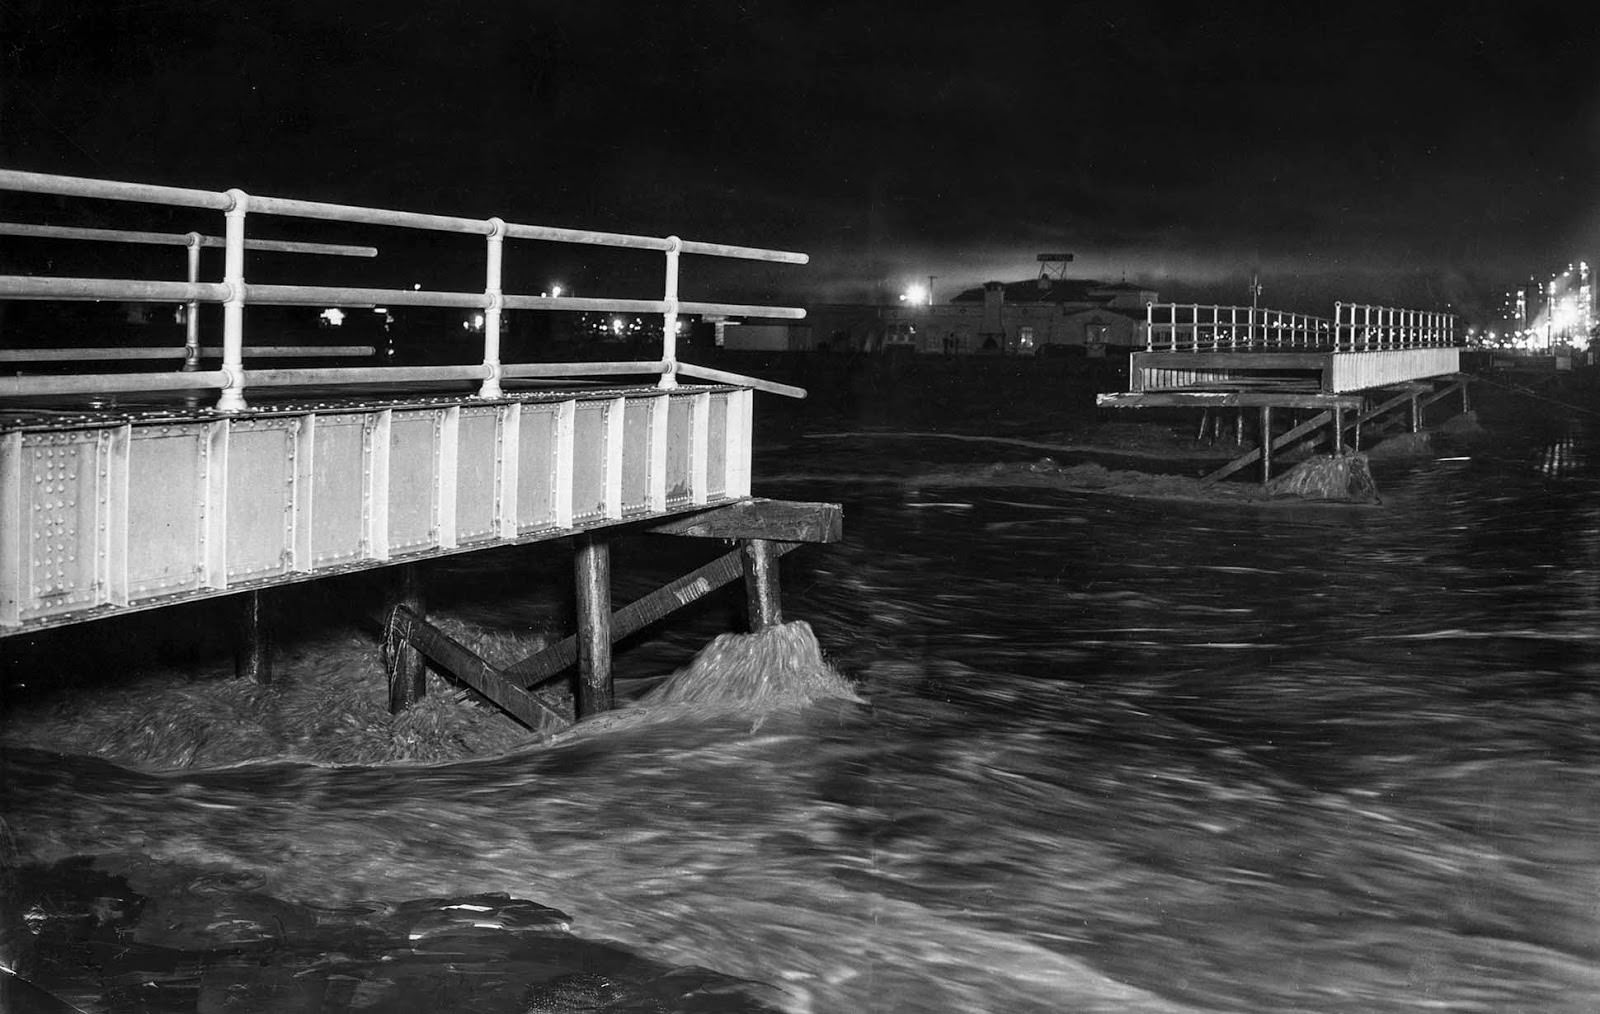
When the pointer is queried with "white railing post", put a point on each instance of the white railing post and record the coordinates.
(494, 258)
(1149, 327)
(669, 318)
(191, 309)
(232, 397)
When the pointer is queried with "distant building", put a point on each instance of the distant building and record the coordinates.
(1044, 315)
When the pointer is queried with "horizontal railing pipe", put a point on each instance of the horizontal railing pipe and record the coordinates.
(76, 289)
(552, 234)
(530, 371)
(109, 383)
(97, 235)
(364, 375)
(581, 304)
(290, 208)
(333, 295)
(111, 190)
(742, 310)
(178, 239)
(296, 246)
(739, 380)
(256, 351)
(744, 253)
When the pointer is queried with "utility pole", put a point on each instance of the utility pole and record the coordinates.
(1255, 298)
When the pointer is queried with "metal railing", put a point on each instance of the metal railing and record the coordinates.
(194, 243)
(1197, 327)
(1359, 328)
(235, 293)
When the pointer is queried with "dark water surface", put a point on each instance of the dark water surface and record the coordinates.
(1116, 756)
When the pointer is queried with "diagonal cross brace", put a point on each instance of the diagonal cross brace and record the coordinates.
(636, 615)
(1255, 455)
(469, 668)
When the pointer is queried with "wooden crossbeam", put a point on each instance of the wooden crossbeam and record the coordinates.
(636, 615)
(778, 520)
(1383, 407)
(469, 668)
(1225, 399)
(1255, 455)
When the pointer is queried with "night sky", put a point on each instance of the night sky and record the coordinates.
(1419, 153)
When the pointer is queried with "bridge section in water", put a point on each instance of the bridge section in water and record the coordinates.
(1364, 363)
(126, 488)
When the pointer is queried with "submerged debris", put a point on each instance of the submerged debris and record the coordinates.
(333, 711)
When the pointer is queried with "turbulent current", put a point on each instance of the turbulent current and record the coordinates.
(1106, 755)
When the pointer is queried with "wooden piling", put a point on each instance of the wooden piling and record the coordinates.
(1338, 429)
(763, 594)
(408, 675)
(592, 566)
(1266, 443)
(253, 638)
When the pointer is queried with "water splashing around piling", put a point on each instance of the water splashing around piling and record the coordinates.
(779, 667)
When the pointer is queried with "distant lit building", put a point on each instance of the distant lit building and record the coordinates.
(1561, 311)
(1037, 316)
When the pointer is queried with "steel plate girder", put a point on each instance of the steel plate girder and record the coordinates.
(139, 513)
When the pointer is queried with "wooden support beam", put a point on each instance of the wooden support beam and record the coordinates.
(638, 614)
(592, 565)
(1266, 443)
(1225, 399)
(762, 589)
(408, 675)
(778, 520)
(1383, 408)
(253, 648)
(465, 665)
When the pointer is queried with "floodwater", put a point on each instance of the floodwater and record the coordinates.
(1113, 755)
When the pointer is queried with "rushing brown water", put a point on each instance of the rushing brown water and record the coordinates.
(1111, 755)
